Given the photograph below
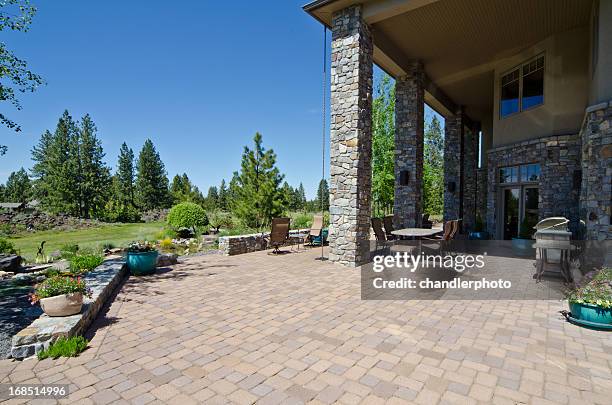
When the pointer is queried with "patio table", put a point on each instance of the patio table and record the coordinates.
(415, 233)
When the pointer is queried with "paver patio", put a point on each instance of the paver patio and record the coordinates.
(289, 329)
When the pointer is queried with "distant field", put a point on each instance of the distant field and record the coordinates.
(117, 234)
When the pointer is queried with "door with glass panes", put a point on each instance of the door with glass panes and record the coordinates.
(519, 200)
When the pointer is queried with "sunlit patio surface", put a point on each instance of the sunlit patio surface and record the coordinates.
(292, 329)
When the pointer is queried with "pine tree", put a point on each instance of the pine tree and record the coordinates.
(212, 198)
(433, 168)
(151, 181)
(125, 176)
(323, 196)
(301, 196)
(42, 165)
(259, 198)
(95, 179)
(222, 196)
(18, 187)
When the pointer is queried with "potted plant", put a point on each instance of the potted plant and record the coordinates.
(524, 242)
(479, 232)
(590, 303)
(141, 258)
(61, 296)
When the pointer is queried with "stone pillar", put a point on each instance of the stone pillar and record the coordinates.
(409, 110)
(351, 137)
(469, 178)
(453, 165)
(596, 188)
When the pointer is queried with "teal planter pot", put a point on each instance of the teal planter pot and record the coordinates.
(592, 315)
(142, 263)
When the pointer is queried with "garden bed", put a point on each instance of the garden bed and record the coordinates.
(44, 330)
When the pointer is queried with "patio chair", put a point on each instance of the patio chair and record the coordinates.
(279, 234)
(425, 222)
(448, 233)
(315, 232)
(381, 239)
(388, 224)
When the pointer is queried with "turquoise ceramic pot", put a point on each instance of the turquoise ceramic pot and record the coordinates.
(591, 313)
(142, 263)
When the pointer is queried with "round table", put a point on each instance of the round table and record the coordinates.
(417, 233)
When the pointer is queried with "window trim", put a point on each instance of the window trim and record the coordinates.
(519, 67)
(519, 176)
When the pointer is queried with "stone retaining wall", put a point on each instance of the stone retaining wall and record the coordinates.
(239, 244)
(45, 330)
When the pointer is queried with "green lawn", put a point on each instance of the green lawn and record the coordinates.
(117, 234)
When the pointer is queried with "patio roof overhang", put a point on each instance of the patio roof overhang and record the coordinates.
(458, 41)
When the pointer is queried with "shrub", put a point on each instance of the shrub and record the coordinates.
(187, 215)
(64, 347)
(217, 219)
(596, 291)
(7, 247)
(84, 262)
(301, 220)
(166, 244)
(59, 285)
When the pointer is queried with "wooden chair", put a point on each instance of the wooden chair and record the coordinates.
(381, 238)
(388, 224)
(315, 229)
(280, 233)
(425, 222)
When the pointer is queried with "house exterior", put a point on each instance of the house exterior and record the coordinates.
(525, 88)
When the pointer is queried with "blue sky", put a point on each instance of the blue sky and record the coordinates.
(199, 80)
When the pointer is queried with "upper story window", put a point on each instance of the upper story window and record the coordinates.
(522, 88)
(520, 174)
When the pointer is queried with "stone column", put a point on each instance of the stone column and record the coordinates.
(409, 110)
(596, 189)
(469, 178)
(351, 137)
(453, 165)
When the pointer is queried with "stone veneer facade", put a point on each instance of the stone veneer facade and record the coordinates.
(409, 111)
(469, 179)
(596, 193)
(559, 158)
(453, 133)
(351, 137)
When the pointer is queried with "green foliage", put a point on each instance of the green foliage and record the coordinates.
(18, 187)
(15, 15)
(183, 190)
(69, 170)
(81, 263)
(151, 181)
(7, 247)
(124, 189)
(433, 168)
(217, 219)
(596, 291)
(301, 220)
(258, 197)
(59, 285)
(323, 196)
(222, 203)
(64, 347)
(187, 215)
(383, 143)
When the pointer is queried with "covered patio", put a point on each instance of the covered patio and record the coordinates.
(291, 329)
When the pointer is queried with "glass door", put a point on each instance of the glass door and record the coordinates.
(511, 212)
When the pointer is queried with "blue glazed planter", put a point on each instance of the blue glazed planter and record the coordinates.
(592, 313)
(142, 263)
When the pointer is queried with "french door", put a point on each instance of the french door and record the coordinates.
(518, 203)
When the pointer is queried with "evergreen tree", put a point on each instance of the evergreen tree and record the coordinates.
(18, 187)
(42, 165)
(212, 198)
(433, 168)
(383, 144)
(323, 196)
(95, 179)
(151, 181)
(301, 196)
(222, 196)
(259, 197)
(125, 176)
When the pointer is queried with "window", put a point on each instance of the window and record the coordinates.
(522, 88)
(528, 173)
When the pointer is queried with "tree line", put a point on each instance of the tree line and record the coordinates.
(70, 176)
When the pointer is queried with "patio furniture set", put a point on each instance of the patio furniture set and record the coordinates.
(281, 236)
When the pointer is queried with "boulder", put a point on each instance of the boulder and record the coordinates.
(22, 279)
(10, 263)
(167, 259)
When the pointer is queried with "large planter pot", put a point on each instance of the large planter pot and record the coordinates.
(142, 263)
(62, 305)
(597, 316)
(522, 246)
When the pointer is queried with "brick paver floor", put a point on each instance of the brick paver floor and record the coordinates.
(289, 329)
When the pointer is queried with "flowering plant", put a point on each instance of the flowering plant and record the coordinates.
(597, 290)
(140, 247)
(59, 285)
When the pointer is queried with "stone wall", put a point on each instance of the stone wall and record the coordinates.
(559, 159)
(240, 244)
(469, 179)
(453, 133)
(596, 192)
(45, 330)
(409, 110)
(351, 137)
(481, 193)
